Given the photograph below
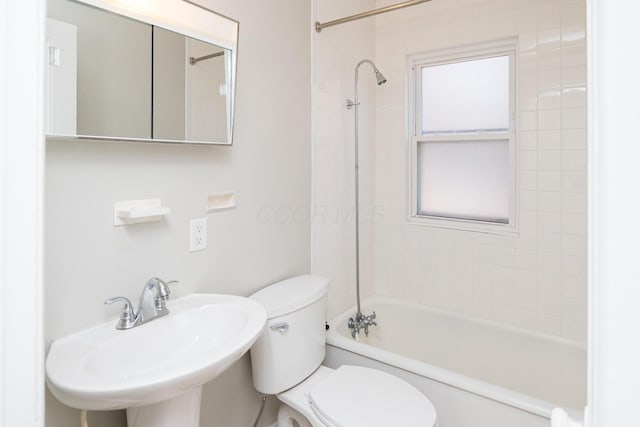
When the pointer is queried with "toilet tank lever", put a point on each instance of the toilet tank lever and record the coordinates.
(283, 327)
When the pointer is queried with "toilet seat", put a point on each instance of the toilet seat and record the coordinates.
(354, 396)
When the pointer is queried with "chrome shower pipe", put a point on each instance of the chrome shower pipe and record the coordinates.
(360, 321)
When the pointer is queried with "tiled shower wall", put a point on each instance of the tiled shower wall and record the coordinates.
(536, 279)
(336, 51)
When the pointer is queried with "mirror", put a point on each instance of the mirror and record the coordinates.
(160, 71)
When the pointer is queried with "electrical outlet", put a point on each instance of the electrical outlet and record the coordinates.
(198, 234)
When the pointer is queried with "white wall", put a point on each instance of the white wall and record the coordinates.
(88, 260)
(614, 375)
(21, 226)
(336, 51)
(537, 279)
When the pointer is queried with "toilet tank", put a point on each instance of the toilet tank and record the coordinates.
(292, 345)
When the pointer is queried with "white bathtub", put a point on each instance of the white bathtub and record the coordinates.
(477, 373)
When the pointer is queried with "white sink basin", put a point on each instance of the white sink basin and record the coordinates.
(104, 368)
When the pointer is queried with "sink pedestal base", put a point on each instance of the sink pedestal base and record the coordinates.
(183, 411)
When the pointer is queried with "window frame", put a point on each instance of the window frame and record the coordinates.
(416, 62)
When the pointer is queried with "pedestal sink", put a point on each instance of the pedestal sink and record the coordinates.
(156, 370)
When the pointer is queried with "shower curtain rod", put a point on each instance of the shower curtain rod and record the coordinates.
(319, 26)
(194, 61)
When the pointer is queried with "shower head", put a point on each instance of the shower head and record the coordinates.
(381, 79)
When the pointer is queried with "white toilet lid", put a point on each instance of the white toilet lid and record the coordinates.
(354, 396)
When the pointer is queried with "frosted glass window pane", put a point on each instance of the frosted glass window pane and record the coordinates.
(466, 96)
(464, 180)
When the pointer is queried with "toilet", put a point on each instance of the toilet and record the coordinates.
(286, 362)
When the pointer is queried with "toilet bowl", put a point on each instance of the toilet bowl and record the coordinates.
(286, 362)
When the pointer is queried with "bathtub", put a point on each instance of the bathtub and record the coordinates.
(477, 373)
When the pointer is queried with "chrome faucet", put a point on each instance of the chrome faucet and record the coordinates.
(361, 322)
(153, 304)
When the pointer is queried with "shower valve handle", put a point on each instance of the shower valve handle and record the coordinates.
(350, 104)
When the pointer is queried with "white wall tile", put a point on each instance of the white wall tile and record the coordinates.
(550, 305)
(549, 78)
(550, 242)
(528, 42)
(573, 34)
(574, 97)
(526, 299)
(528, 220)
(524, 279)
(574, 181)
(528, 160)
(503, 257)
(550, 222)
(550, 99)
(528, 61)
(574, 118)
(574, 245)
(550, 119)
(528, 120)
(549, 263)
(574, 266)
(550, 201)
(549, 17)
(483, 253)
(549, 283)
(574, 139)
(528, 81)
(527, 240)
(573, 55)
(503, 276)
(574, 160)
(549, 181)
(549, 140)
(526, 21)
(550, 160)
(529, 101)
(574, 75)
(548, 39)
(574, 203)
(574, 287)
(499, 278)
(574, 223)
(528, 140)
(528, 200)
(573, 12)
(526, 259)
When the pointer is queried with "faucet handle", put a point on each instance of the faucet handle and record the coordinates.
(162, 295)
(127, 316)
(163, 288)
(372, 319)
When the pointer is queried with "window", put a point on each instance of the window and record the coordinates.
(463, 142)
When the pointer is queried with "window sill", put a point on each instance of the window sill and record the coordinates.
(464, 225)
